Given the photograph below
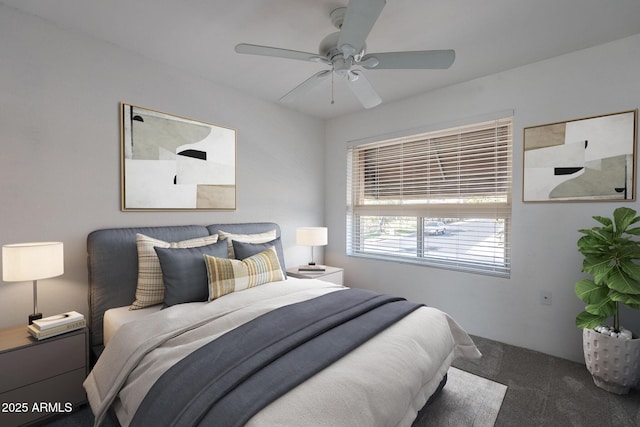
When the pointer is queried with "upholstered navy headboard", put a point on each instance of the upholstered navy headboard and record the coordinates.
(113, 262)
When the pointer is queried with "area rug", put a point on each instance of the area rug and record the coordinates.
(466, 400)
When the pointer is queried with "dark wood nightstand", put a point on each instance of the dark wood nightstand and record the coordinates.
(40, 379)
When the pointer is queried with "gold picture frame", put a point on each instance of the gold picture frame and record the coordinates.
(172, 162)
(589, 159)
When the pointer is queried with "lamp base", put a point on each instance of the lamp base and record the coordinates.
(33, 317)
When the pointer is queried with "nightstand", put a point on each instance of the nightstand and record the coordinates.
(39, 379)
(331, 274)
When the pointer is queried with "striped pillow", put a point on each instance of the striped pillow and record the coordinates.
(150, 287)
(231, 275)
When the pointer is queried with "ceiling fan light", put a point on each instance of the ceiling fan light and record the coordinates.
(352, 76)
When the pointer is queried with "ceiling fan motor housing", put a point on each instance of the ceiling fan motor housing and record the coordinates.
(329, 46)
(329, 49)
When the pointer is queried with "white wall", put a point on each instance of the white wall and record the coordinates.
(596, 81)
(60, 151)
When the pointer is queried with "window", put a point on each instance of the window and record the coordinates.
(440, 198)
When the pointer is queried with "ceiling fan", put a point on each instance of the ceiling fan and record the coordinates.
(344, 51)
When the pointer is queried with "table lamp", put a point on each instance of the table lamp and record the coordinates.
(22, 262)
(312, 236)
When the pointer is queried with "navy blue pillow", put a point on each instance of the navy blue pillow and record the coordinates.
(184, 272)
(245, 250)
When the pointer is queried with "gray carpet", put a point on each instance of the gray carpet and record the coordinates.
(548, 391)
(466, 400)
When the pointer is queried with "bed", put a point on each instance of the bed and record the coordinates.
(246, 354)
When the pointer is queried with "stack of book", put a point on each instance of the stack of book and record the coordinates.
(312, 268)
(56, 325)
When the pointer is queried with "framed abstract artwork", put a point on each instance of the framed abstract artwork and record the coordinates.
(174, 163)
(590, 159)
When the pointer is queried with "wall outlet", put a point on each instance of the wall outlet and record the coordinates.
(545, 297)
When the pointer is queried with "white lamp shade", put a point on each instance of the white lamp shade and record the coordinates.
(311, 236)
(32, 261)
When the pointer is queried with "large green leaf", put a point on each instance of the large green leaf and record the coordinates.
(590, 243)
(603, 220)
(594, 250)
(592, 237)
(624, 298)
(596, 235)
(634, 231)
(589, 292)
(621, 282)
(598, 267)
(605, 307)
(632, 270)
(586, 320)
(623, 218)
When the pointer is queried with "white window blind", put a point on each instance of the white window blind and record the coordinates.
(440, 198)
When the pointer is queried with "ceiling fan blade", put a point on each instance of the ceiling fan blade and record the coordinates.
(358, 22)
(305, 86)
(254, 49)
(423, 59)
(363, 90)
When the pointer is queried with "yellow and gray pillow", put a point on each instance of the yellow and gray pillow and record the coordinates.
(231, 275)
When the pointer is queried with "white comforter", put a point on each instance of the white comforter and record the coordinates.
(384, 382)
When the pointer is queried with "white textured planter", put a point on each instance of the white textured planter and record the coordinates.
(614, 363)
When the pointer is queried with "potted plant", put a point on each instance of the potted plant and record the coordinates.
(611, 250)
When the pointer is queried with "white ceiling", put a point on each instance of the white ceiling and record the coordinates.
(199, 36)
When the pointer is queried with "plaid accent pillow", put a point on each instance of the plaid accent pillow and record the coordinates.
(231, 275)
(265, 237)
(150, 287)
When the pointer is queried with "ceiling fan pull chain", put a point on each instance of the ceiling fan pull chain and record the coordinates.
(332, 100)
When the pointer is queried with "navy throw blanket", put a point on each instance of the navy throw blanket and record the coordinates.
(227, 381)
